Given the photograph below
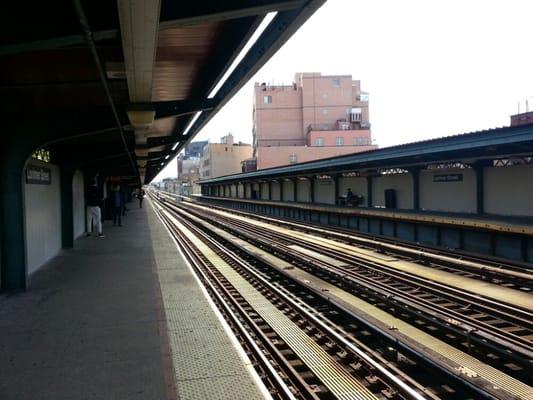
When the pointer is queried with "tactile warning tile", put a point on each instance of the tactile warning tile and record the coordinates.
(206, 363)
(221, 388)
(199, 347)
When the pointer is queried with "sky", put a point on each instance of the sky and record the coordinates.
(432, 68)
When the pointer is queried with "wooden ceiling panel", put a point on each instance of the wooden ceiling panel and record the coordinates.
(181, 52)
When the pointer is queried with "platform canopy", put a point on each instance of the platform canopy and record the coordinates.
(119, 87)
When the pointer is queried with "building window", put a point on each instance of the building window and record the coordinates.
(293, 159)
(267, 99)
(336, 82)
(361, 141)
(339, 141)
(355, 115)
(319, 141)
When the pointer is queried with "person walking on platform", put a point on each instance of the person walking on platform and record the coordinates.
(94, 214)
(140, 196)
(117, 201)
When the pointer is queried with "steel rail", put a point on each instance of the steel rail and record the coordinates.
(423, 357)
(389, 376)
(471, 326)
(474, 263)
(259, 354)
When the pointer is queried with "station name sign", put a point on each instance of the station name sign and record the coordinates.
(448, 178)
(37, 175)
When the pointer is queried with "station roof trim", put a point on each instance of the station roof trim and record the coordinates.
(493, 143)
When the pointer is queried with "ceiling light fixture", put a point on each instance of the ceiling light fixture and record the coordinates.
(260, 29)
(193, 120)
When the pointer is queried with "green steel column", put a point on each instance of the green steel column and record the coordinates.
(281, 189)
(369, 191)
(260, 191)
(269, 190)
(312, 189)
(480, 188)
(415, 173)
(295, 189)
(337, 188)
(12, 233)
(67, 210)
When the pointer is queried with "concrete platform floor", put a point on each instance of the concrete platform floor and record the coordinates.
(93, 325)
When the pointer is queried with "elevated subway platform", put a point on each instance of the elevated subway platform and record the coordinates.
(118, 318)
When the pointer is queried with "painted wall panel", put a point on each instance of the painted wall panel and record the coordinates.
(275, 190)
(324, 191)
(247, 190)
(448, 196)
(264, 190)
(288, 191)
(42, 204)
(304, 191)
(402, 183)
(509, 190)
(78, 206)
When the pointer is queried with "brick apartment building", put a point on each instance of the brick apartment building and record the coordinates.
(315, 117)
(224, 158)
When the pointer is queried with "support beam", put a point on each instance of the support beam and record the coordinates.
(480, 189)
(270, 190)
(281, 189)
(175, 14)
(295, 189)
(12, 230)
(336, 187)
(177, 108)
(415, 173)
(312, 189)
(369, 180)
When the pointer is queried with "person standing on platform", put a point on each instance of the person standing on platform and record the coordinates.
(117, 202)
(94, 214)
(140, 196)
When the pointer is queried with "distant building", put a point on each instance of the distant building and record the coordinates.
(315, 117)
(194, 149)
(188, 175)
(223, 158)
(170, 185)
(522, 118)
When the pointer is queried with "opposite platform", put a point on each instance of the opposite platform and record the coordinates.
(93, 326)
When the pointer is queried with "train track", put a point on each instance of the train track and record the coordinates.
(479, 325)
(282, 249)
(334, 368)
(517, 275)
